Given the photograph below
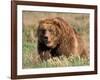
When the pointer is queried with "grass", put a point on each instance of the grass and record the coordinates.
(30, 57)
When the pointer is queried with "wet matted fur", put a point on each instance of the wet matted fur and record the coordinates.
(56, 38)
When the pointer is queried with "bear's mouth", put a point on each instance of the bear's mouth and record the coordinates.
(47, 42)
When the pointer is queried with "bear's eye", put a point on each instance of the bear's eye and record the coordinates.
(50, 30)
(42, 31)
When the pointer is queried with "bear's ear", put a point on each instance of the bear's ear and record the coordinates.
(41, 21)
(57, 22)
(60, 22)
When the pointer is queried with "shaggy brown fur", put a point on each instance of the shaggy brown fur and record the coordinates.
(56, 37)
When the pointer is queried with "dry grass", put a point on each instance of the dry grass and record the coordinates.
(31, 59)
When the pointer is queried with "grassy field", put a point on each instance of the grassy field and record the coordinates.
(30, 56)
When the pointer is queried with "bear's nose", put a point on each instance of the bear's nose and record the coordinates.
(46, 37)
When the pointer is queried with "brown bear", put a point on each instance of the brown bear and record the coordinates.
(56, 38)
